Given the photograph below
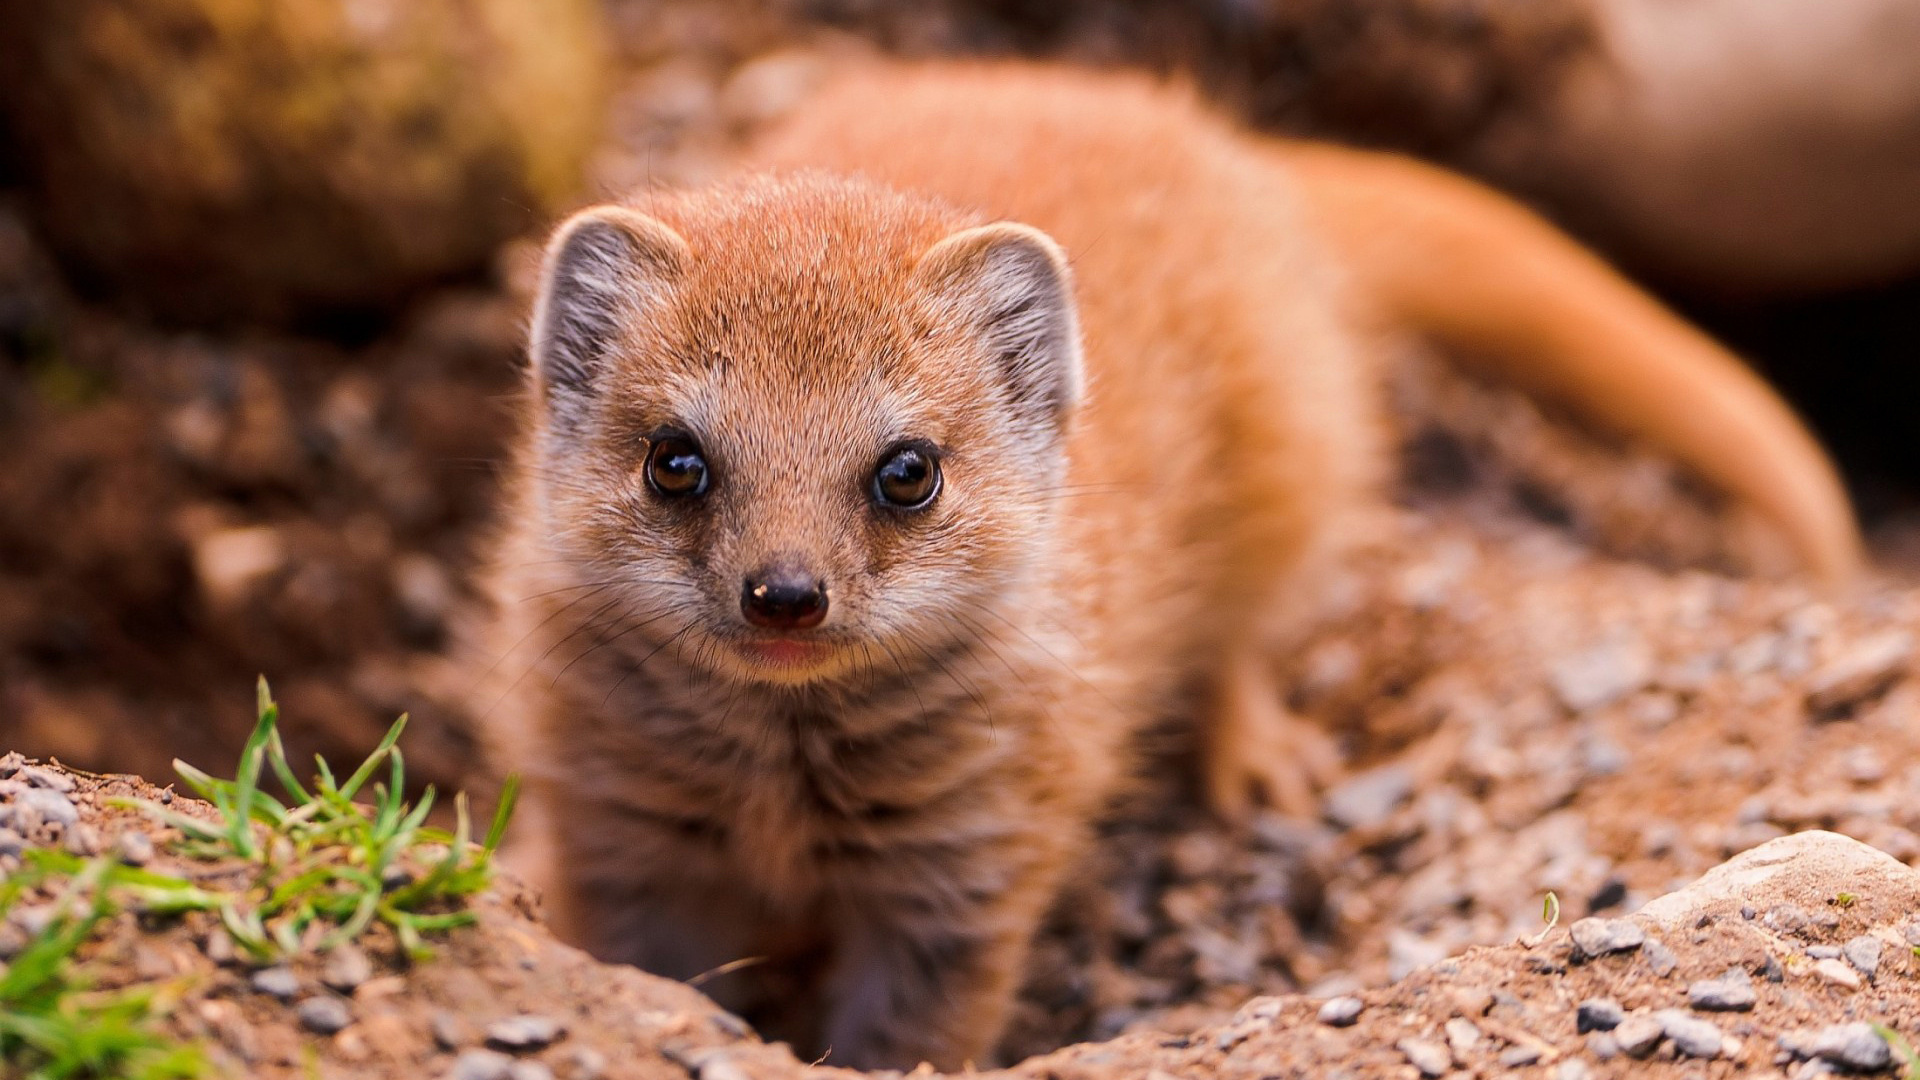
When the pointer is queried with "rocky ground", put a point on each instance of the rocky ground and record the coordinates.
(1793, 959)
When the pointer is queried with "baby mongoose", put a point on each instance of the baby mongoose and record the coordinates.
(873, 502)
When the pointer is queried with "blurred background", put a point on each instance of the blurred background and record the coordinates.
(264, 268)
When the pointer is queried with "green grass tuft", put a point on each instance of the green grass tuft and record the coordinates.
(52, 1025)
(321, 861)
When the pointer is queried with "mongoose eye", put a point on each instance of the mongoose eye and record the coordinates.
(676, 467)
(908, 478)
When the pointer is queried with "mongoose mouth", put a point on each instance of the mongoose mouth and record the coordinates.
(784, 653)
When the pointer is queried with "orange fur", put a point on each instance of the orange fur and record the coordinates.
(886, 818)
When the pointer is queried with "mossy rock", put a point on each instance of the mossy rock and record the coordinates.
(219, 160)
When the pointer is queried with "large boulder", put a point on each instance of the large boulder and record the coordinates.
(264, 159)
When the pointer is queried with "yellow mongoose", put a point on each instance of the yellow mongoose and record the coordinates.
(861, 523)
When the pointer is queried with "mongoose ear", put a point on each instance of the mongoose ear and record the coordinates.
(1012, 284)
(604, 266)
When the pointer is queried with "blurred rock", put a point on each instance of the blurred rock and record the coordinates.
(212, 160)
(230, 562)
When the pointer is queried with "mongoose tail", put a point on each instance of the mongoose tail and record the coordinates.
(1484, 276)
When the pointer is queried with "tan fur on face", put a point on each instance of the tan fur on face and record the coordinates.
(888, 823)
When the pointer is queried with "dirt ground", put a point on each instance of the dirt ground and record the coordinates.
(1545, 669)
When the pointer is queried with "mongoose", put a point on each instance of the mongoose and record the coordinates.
(872, 502)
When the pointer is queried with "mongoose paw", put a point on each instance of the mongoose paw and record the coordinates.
(1255, 750)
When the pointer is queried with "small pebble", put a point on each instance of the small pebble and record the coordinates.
(1462, 1036)
(1519, 1057)
(721, 1066)
(1659, 957)
(12, 940)
(481, 1065)
(1823, 952)
(11, 843)
(1693, 1036)
(135, 848)
(1341, 1011)
(1572, 1069)
(50, 805)
(1601, 675)
(530, 1070)
(1637, 1035)
(524, 1032)
(218, 946)
(1787, 918)
(83, 840)
(1861, 672)
(324, 1015)
(1472, 1000)
(1731, 992)
(1863, 953)
(1428, 1056)
(1837, 973)
(449, 1031)
(1369, 798)
(42, 777)
(1854, 1046)
(34, 918)
(587, 1064)
(276, 982)
(1598, 937)
(347, 967)
(1598, 1014)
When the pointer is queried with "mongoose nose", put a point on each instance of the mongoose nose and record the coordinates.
(783, 600)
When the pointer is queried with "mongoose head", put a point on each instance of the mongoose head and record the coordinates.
(802, 428)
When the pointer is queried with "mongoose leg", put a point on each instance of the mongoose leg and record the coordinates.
(912, 987)
(1254, 747)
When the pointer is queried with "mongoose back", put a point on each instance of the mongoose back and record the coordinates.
(873, 502)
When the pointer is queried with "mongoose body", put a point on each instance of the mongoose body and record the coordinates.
(871, 505)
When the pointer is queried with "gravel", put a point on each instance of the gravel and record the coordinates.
(1431, 1058)
(1659, 957)
(278, 982)
(1731, 992)
(1863, 953)
(134, 848)
(449, 1031)
(1598, 1014)
(1854, 1046)
(1368, 799)
(525, 1032)
(1601, 675)
(41, 777)
(1693, 1036)
(1463, 1036)
(48, 805)
(1637, 1035)
(1341, 1011)
(324, 1015)
(347, 967)
(481, 1065)
(1838, 973)
(1864, 670)
(1598, 937)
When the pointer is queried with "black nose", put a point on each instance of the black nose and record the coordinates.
(783, 600)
